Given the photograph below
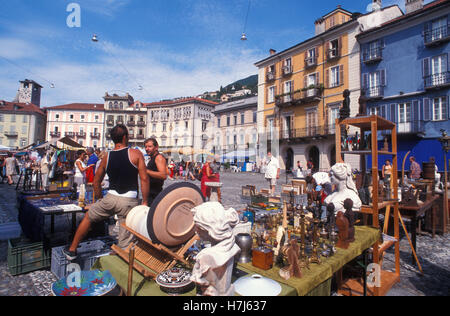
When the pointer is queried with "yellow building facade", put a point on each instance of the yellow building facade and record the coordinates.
(301, 90)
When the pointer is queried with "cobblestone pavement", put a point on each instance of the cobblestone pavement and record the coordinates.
(434, 254)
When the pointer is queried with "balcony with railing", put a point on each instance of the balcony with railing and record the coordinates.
(141, 123)
(81, 135)
(437, 81)
(131, 123)
(333, 54)
(270, 76)
(55, 134)
(296, 134)
(298, 97)
(110, 122)
(140, 137)
(11, 134)
(437, 35)
(373, 93)
(287, 70)
(373, 55)
(95, 135)
(311, 62)
(69, 134)
(415, 127)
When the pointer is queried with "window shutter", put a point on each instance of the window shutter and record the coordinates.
(387, 112)
(317, 78)
(444, 108)
(316, 52)
(340, 47)
(394, 113)
(426, 67)
(327, 78)
(365, 81)
(383, 77)
(305, 82)
(448, 107)
(341, 75)
(426, 109)
(427, 27)
(415, 114)
(382, 43)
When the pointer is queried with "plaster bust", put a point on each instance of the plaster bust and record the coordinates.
(214, 266)
(341, 176)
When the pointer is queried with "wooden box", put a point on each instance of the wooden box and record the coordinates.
(263, 258)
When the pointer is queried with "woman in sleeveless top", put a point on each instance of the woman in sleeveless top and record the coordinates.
(80, 168)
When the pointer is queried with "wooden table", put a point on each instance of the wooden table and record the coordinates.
(414, 212)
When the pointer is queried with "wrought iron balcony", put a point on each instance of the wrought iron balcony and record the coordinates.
(131, 123)
(333, 54)
(310, 62)
(373, 93)
(95, 135)
(69, 134)
(110, 122)
(307, 133)
(270, 76)
(81, 135)
(55, 134)
(416, 127)
(287, 70)
(140, 137)
(373, 55)
(437, 36)
(298, 97)
(11, 134)
(437, 81)
(141, 123)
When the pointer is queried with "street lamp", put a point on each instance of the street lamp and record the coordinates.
(445, 141)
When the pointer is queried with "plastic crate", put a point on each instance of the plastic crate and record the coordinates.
(87, 254)
(25, 256)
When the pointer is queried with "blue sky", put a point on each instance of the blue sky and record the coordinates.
(171, 48)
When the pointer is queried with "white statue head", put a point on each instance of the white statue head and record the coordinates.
(211, 217)
(341, 173)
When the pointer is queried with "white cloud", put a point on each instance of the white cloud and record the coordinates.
(103, 7)
(163, 73)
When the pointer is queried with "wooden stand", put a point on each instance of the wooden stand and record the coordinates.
(148, 255)
(374, 124)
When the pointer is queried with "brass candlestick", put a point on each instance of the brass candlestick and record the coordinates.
(315, 256)
(303, 259)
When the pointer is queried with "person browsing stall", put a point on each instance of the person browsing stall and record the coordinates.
(124, 167)
(156, 169)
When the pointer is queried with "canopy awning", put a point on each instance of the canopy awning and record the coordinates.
(70, 142)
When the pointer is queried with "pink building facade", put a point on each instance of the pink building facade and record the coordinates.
(82, 122)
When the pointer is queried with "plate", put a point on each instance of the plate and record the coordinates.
(92, 283)
(170, 221)
(257, 285)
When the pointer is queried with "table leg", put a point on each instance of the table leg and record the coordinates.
(365, 271)
(413, 234)
(52, 224)
(433, 220)
(74, 223)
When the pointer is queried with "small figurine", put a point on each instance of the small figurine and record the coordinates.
(350, 215)
(213, 268)
(292, 252)
(385, 145)
(343, 226)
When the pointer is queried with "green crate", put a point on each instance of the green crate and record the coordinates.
(25, 256)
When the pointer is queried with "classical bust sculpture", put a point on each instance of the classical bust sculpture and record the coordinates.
(214, 266)
(341, 177)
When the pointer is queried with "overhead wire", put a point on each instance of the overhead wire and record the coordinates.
(28, 71)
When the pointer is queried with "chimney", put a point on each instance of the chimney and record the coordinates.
(413, 5)
(272, 52)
